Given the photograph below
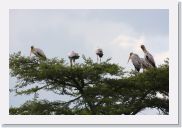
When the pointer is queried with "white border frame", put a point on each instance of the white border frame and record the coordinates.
(172, 5)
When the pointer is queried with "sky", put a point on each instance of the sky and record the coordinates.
(117, 32)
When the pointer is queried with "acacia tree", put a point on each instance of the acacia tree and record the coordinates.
(94, 89)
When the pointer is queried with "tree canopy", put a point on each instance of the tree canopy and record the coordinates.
(94, 88)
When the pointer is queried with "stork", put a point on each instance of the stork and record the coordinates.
(73, 56)
(148, 57)
(99, 53)
(37, 52)
(145, 64)
(135, 60)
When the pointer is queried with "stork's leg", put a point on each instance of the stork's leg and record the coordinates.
(74, 61)
(97, 59)
(71, 62)
(100, 59)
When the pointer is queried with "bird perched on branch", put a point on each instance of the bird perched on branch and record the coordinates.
(38, 52)
(135, 60)
(99, 53)
(148, 57)
(73, 56)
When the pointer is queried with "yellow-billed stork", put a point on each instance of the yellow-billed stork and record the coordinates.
(135, 60)
(37, 52)
(99, 53)
(148, 57)
(73, 56)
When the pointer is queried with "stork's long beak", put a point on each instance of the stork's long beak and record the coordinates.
(129, 59)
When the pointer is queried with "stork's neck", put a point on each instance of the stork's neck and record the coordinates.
(144, 50)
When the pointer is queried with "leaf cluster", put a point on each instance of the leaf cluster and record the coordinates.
(96, 89)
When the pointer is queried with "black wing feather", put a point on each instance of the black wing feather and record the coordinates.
(137, 68)
(41, 55)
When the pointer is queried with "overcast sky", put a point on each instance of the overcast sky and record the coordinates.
(117, 32)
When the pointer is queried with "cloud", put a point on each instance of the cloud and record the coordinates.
(129, 42)
(58, 32)
(160, 57)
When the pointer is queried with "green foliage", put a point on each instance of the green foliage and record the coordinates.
(96, 89)
(43, 107)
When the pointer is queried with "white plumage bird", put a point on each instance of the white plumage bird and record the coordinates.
(38, 52)
(73, 56)
(135, 60)
(148, 57)
(99, 53)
